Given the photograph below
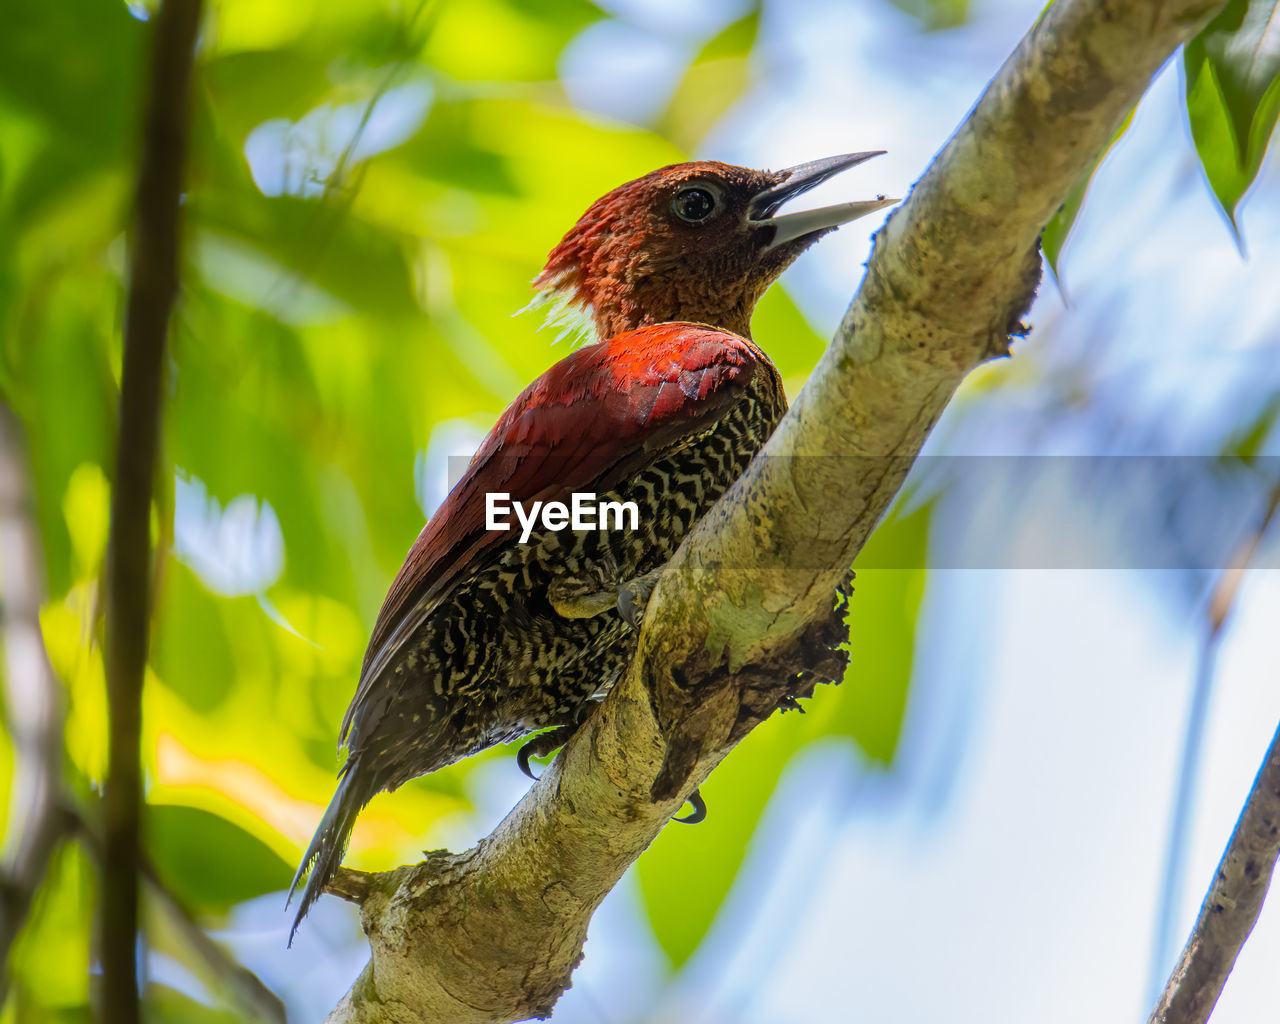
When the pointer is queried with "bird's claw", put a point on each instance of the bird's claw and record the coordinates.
(633, 596)
(542, 745)
(628, 608)
(699, 812)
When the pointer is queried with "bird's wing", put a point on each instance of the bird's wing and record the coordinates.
(600, 414)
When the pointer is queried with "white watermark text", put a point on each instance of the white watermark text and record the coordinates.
(582, 513)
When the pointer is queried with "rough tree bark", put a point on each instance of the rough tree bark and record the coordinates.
(1231, 906)
(744, 614)
(1240, 883)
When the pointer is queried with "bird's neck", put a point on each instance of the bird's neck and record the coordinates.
(612, 323)
(606, 308)
(661, 302)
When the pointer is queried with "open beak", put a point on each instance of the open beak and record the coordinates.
(801, 178)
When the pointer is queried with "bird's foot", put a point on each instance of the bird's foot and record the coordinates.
(542, 745)
(576, 597)
(633, 596)
(699, 812)
(549, 740)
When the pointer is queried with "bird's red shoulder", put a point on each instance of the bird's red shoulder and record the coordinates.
(607, 396)
(594, 418)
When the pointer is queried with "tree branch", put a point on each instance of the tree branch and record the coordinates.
(743, 616)
(153, 285)
(1231, 907)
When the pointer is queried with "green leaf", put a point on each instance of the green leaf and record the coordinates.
(687, 872)
(1057, 231)
(1247, 442)
(57, 56)
(935, 14)
(209, 863)
(780, 324)
(192, 653)
(714, 81)
(503, 40)
(253, 86)
(1233, 96)
(49, 958)
(169, 1006)
(69, 417)
(283, 243)
(243, 419)
(1060, 224)
(882, 629)
(447, 150)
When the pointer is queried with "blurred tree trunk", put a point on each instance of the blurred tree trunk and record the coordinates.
(32, 705)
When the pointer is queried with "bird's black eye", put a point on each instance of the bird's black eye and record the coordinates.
(694, 205)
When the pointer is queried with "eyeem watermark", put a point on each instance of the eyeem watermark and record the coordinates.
(582, 513)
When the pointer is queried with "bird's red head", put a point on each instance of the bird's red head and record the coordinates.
(696, 241)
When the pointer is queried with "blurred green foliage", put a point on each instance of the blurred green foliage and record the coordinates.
(936, 14)
(371, 189)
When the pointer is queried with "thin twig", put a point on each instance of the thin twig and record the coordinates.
(33, 704)
(1234, 901)
(153, 285)
(1231, 908)
(329, 214)
(1175, 859)
(247, 990)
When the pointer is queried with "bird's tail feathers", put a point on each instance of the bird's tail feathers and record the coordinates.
(324, 855)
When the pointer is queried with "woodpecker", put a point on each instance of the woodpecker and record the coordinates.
(484, 638)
